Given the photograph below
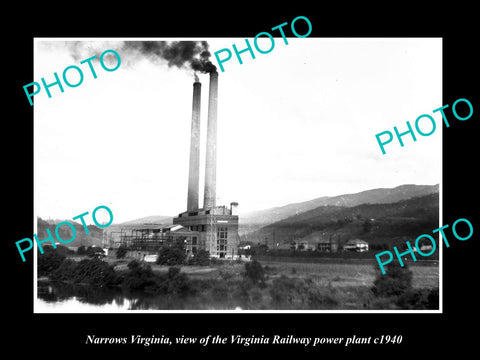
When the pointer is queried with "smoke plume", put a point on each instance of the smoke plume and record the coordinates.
(190, 55)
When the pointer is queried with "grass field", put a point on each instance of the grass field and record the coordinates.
(345, 273)
(326, 284)
(291, 284)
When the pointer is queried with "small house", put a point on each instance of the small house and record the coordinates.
(355, 245)
(327, 245)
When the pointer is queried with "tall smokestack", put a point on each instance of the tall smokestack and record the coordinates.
(210, 193)
(194, 167)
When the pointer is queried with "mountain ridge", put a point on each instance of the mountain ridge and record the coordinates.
(381, 223)
(254, 220)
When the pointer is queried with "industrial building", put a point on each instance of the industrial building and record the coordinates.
(212, 228)
(216, 226)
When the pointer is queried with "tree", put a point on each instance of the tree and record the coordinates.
(81, 250)
(171, 255)
(396, 281)
(94, 272)
(139, 277)
(254, 272)
(418, 299)
(201, 257)
(49, 261)
(367, 226)
(176, 282)
(121, 252)
(95, 252)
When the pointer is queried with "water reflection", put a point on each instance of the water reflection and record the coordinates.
(55, 296)
(56, 292)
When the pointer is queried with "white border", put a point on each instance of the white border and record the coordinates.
(103, 310)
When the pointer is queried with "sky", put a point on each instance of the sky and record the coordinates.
(295, 124)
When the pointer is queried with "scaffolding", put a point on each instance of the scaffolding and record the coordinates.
(152, 239)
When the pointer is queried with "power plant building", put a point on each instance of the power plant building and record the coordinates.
(216, 226)
(212, 228)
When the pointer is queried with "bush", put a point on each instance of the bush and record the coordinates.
(171, 256)
(94, 272)
(139, 277)
(220, 290)
(65, 272)
(49, 261)
(287, 291)
(175, 283)
(433, 299)
(135, 264)
(419, 299)
(121, 252)
(202, 258)
(396, 281)
(317, 299)
(254, 272)
(94, 252)
(298, 293)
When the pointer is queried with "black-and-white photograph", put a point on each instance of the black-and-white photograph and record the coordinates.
(212, 175)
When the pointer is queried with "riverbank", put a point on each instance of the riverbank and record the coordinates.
(268, 285)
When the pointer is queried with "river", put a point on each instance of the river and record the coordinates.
(54, 297)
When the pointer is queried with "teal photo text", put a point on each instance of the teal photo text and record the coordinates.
(29, 243)
(425, 124)
(72, 76)
(425, 244)
(225, 55)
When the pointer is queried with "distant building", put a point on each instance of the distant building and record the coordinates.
(304, 245)
(424, 248)
(327, 245)
(355, 245)
(318, 241)
(149, 238)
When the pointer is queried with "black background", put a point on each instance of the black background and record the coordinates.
(61, 335)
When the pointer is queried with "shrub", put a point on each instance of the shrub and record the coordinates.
(320, 299)
(220, 290)
(242, 292)
(395, 282)
(287, 291)
(134, 264)
(382, 303)
(94, 272)
(171, 256)
(419, 299)
(65, 272)
(433, 299)
(49, 261)
(254, 272)
(176, 283)
(202, 258)
(94, 252)
(226, 275)
(139, 277)
(121, 252)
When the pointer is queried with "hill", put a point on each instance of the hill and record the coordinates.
(95, 238)
(376, 223)
(253, 221)
(154, 219)
(81, 238)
